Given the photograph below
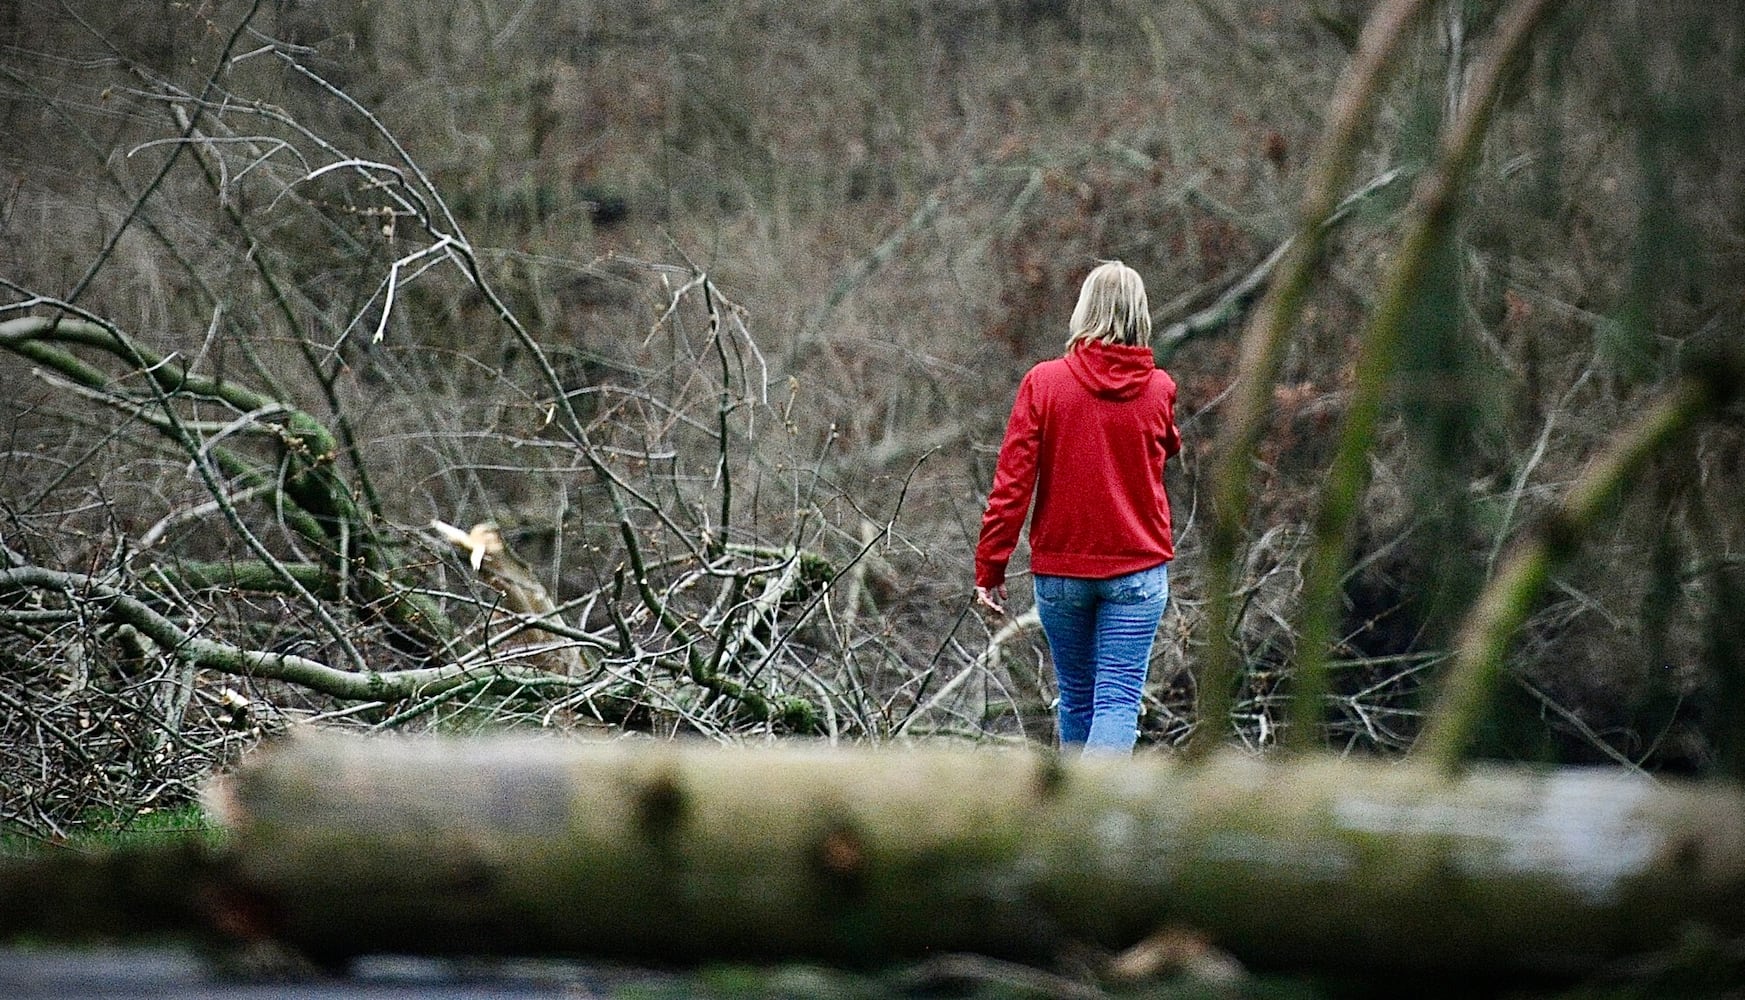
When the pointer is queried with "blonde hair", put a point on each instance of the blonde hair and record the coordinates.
(1112, 308)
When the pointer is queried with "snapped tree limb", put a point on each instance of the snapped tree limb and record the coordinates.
(523, 595)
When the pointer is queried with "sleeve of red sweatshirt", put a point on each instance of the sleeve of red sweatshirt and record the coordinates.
(1014, 482)
(1172, 445)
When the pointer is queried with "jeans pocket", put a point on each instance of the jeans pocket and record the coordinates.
(1048, 588)
(1127, 592)
(1143, 587)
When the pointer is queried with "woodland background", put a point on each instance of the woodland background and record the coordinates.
(715, 309)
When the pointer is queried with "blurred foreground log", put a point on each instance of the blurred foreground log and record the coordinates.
(697, 852)
(694, 852)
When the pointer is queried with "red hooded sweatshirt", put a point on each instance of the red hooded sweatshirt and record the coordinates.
(1089, 434)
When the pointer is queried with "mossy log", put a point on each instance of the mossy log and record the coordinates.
(312, 495)
(695, 852)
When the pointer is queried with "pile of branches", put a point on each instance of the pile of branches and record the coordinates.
(96, 731)
(278, 567)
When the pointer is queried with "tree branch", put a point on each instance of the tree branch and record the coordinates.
(114, 606)
(1484, 640)
(1237, 297)
(1263, 350)
(1432, 212)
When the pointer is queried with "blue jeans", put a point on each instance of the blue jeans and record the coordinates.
(1100, 633)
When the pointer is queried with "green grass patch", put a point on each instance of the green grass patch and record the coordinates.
(108, 830)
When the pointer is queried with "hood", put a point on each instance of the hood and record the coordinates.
(1111, 371)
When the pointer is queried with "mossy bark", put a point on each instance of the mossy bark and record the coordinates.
(690, 853)
(317, 501)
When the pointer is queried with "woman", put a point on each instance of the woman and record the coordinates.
(1088, 435)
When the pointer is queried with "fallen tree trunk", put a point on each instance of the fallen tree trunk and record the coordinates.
(684, 853)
